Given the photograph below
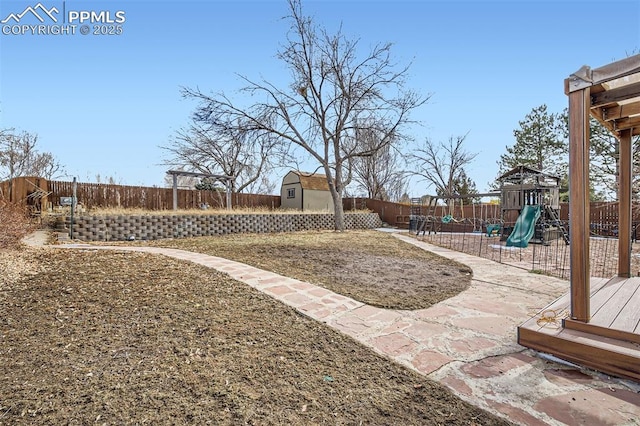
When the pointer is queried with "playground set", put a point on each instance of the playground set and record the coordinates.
(529, 210)
(595, 324)
(535, 196)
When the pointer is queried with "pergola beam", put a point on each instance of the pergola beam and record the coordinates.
(627, 124)
(613, 96)
(197, 174)
(458, 196)
(620, 111)
(226, 180)
(587, 77)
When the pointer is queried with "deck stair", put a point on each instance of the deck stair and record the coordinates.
(618, 356)
(608, 342)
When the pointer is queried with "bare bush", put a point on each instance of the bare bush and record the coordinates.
(15, 224)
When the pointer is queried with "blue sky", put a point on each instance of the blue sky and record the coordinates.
(103, 104)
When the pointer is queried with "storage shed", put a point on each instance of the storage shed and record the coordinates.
(305, 191)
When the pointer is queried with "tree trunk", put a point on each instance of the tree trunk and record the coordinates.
(338, 210)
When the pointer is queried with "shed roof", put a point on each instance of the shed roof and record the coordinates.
(313, 181)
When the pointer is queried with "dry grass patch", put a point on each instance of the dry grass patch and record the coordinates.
(117, 211)
(127, 338)
(369, 266)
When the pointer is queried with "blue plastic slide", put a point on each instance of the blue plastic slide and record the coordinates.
(525, 227)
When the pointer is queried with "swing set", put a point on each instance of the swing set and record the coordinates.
(431, 222)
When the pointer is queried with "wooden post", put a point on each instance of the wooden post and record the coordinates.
(624, 199)
(579, 103)
(74, 196)
(175, 191)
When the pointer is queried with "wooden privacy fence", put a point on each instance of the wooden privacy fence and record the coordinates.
(392, 213)
(38, 193)
(18, 190)
(101, 195)
(29, 191)
(154, 198)
(603, 215)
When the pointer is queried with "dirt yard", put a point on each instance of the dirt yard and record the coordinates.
(368, 266)
(95, 337)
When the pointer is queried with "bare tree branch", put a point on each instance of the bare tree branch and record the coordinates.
(19, 156)
(220, 147)
(378, 171)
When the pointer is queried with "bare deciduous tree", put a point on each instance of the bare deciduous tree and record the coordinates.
(380, 174)
(333, 91)
(442, 165)
(19, 156)
(215, 147)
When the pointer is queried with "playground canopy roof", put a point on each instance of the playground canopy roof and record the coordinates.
(614, 92)
(522, 173)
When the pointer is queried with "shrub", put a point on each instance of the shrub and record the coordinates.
(15, 224)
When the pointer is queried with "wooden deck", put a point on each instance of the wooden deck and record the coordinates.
(610, 342)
